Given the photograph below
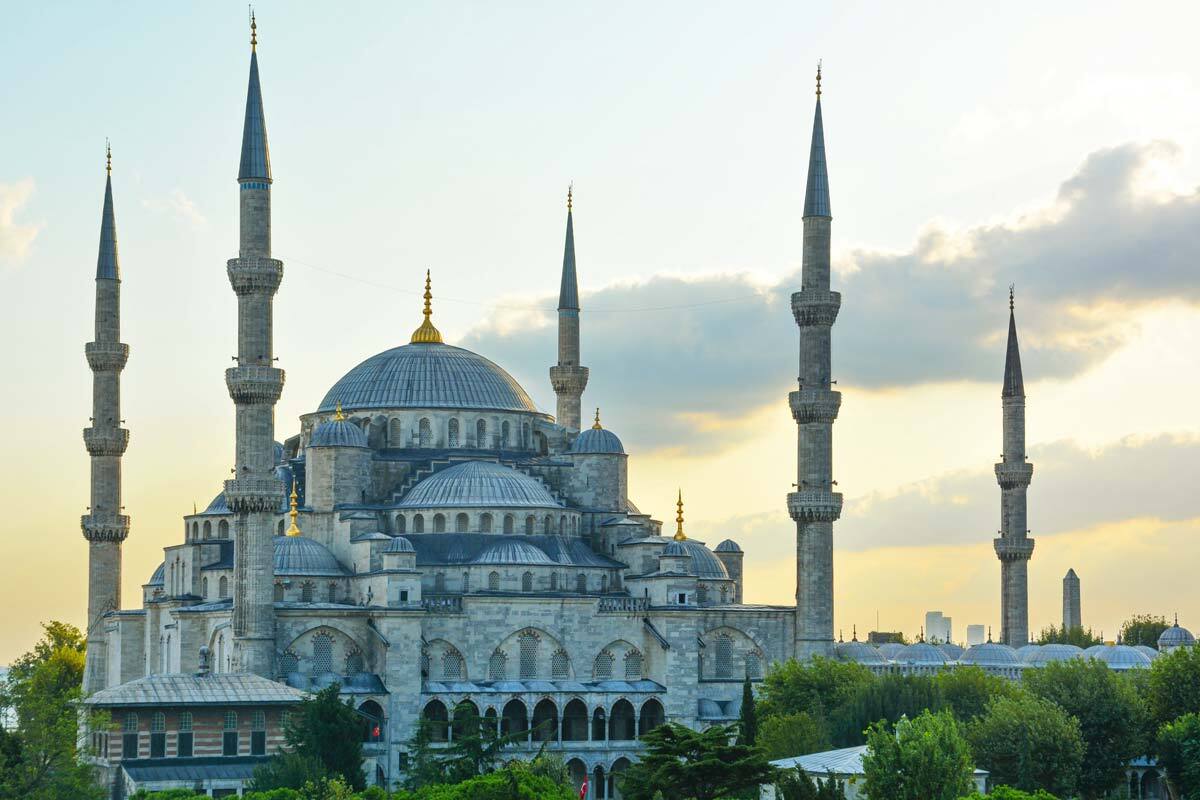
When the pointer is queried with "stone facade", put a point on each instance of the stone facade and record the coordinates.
(1072, 616)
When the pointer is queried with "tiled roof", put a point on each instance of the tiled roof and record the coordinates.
(191, 770)
(214, 690)
(846, 761)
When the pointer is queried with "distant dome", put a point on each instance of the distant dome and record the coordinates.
(1024, 650)
(1176, 636)
(727, 546)
(1149, 652)
(704, 563)
(953, 652)
(675, 549)
(597, 440)
(1120, 657)
(428, 376)
(337, 433)
(1044, 654)
(400, 545)
(990, 654)
(479, 483)
(512, 551)
(890, 650)
(299, 555)
(159, 576)
(859, 653)
(920, 653)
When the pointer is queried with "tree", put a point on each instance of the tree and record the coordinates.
(810, 686)
(1173, 686)
(1111, 718)
(796, 784)
(789, 735)
(1028, 743)
(287, 771)
(966, 691)
(517, 781)
(1009, 793)
(1179, 753)
(1143, 629)
(888, 697)
(748, 719)
(926, 758)
(1078, 636)
(326, 730)
(698, 765)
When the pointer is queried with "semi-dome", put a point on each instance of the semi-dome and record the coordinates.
(953, 652)
(990, 654)
(920, 654)
(598, 441)
(428, 375)
(512, 551)
(859, 653)
(1175, 636)
(890, 650)
(337, 433)
(727, 546)
(400, 545)
(1044, 654)
(1025, 650)
(159, 576)
(479, 483)
(1149, 652)
(299, 555)
(1120, 657)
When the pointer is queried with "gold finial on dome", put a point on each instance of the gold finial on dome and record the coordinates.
(294, 530)
(427, 334)
(679, 535)
(596, 425)
(338, 416)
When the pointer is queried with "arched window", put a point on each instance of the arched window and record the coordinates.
(461, 522)
(498, 666)
(354, 662)
(724, 662)
(622, 725)
(603, 584)
(435, 712)
(223, 587)
(548, 525)
(529, 525)
(452, 665)
(195, 530)
(204, 588)
(229, 736)
(528, 642)
(424, 432)
(289, 662)
(504, 434)
(581, 583)
(452, 433)
(223, 529)
(560, 665)
(724, 594)
(439, 582)
(322, 654)
(702, 594)
(508, 523)
(527, 582)
(652, 717)
(401, 523)
(493, 581)
(306, 592)
(332, 596)
(554, 581)
(485, 523)
(562, 524)
(279, 528)
(575, 721)
(424, 663)
(395, 433)
(481, 434)
(525, 435)
(545, 721)
(207, 529)
(419, 524)
(633, 666)
(754, 665)
(439, 523)
(602, 667)
(278, 593)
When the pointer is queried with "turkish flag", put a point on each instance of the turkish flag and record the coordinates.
(583, 790)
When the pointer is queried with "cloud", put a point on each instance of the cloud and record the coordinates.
(182, 207)
(15, 239)
(667, 351)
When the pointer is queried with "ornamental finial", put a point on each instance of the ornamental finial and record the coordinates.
(596, 424)
(570, 195)
(989, 634)
(107, 156)
(253, 30)
(818, 79)
(294, 530)
(1011, 290)
(679, 535)
(427, 334)
(854, 629)
(338, 416)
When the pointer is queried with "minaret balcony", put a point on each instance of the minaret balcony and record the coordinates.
(254, 494)
(813, 307)
(105, 441)
(254, 385)
(106, 356)
(814, 505)
(1014, 474)
(1013, 549)
(255, 275)
(104, 527)
(815, 405)
(568, 380)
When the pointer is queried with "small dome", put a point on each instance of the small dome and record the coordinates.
(1024, 651)
(990, 654)
(1150, 652)
(1176, 636)
(1044, 654)
(159, 576)
(400, 545)
(1120, 657)
(337, 433)
(704, 563)
(890, 650)
(921, 653)
(512, 551)
(727, 546)
(675, 549)
(953, 652)
(859, 653)
(299, 555)
(479, 483)
(597, 440)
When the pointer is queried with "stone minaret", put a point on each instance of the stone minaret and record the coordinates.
(568, 378)
(814, 505)
(104, 526)
(1013, 473)
(254, 384)
(1072, 616)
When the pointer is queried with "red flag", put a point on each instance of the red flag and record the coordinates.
(583, 790)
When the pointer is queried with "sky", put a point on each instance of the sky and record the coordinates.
(1056, 148)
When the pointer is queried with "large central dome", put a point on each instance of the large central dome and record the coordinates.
(428, 376)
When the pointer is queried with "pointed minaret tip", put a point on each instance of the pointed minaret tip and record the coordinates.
(1014, 381)
(256, 155)
(568, 291)
(108, 264)
(816, 191)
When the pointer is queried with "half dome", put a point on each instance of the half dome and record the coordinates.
(479, 483)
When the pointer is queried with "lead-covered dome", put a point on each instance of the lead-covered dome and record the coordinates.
(597, 441)
(990, 654)
(920, 654)
(337, 433)
(1052, 652)
(299, 555)
(1175, 636)
(1120, 656)
(479, 483)
(428, 375)
(859, 653)
(513, 551)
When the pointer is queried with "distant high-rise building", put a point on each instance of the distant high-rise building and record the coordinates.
(975, 635)
(1072, 617)
(937, 627)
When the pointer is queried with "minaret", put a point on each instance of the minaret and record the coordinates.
(1072, 616)
(104, 526)
(568, 378)
(1013, 473)
(254, 384)
(814, 505)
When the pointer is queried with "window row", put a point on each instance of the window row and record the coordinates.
(205, 530)
(548, 524)
(545, 724)
(132, 735)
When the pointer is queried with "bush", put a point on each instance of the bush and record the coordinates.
(1009, 793)
(926, 758)
(1028, 743)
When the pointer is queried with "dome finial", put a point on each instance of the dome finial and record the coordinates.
(338, 416)
(294, 530)
(596, 425)
(253, 30)
(427, 334)
(570, 195)
(854, 631)
(1011, 290)
(989, 634)
(107, 156)
(818, 79)
(679, 534)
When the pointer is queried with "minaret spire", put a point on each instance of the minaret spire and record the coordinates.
(569, 378)
(1014, 473)
(104, 526)
(814, 505)
(254, 493)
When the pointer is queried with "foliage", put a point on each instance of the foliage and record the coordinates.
(925, 758)
(789, 735)
(321, 730)
(1179, 753)
(966, 691)
(1174, 684)
(748, 718)
(795, 784)
(474, 751)
(810, 686)
(701, 765)
(1111, 718)
(43, 688)
(517, 781)
(1028, 743)
(1009, 793)
(287, 770)
(888, 697)
(1076, 635)
(1143, 629)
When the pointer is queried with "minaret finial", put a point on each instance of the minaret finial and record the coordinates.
(989, 634)
(1011, 291)
(596, 425)
(427, 334)
(570, 195)
(338, 416)
(818, 79)
(679, 535)
(107, 156)
(854, 630)
(294, 530)
(253, 30)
